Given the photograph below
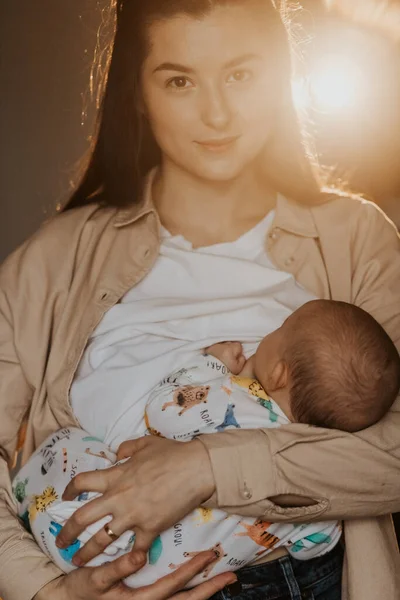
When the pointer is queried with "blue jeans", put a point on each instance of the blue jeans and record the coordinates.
(290, 579)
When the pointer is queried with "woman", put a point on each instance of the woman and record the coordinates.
(201, 90)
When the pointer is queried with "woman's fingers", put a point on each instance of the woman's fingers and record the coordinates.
(92, 481)
(143, 539)
(171, 584)
(129, 447)
(89, 513)
(207, 589)
(111, 574)
(99, 542)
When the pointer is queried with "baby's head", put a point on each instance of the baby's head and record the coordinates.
(330, 365)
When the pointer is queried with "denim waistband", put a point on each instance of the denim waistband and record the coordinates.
(279, 578)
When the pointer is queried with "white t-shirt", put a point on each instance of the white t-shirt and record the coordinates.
(190, 299)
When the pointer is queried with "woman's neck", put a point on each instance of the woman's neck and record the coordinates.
(209, 212)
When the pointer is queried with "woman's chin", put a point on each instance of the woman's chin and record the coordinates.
(220, 171)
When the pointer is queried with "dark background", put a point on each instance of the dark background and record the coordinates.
(46, 114)
(47, 47)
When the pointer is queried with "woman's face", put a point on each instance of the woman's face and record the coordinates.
(209, 90)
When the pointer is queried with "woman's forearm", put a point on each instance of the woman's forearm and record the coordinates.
(24, 569)
(297, 472)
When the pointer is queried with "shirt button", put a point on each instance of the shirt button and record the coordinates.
(289, 261)
(248, 494)
(274, 234)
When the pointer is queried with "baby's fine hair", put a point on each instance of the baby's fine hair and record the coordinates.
(344, 368)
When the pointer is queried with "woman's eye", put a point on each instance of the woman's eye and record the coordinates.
(179, 83)
(240, 76)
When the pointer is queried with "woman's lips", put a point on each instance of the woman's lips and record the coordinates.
(218, 145)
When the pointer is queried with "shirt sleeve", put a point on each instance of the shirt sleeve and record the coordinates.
(338, 474)
(24, 569)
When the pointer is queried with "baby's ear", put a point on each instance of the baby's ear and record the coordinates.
(279, 376)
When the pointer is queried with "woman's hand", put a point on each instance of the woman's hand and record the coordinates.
(105, 582)
(161, 483)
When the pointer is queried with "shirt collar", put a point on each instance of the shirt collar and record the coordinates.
(131, 214)
(295, 218)
(289, 215)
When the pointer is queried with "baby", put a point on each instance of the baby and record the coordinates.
(329, 365)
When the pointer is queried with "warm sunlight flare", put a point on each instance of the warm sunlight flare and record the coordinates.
(335, 82)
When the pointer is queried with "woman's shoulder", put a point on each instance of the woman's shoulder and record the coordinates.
(355, 214)
(59, 238)
(64, 226)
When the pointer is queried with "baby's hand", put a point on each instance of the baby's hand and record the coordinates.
(229, 353)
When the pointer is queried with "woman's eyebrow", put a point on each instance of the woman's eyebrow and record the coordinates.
(241, 59)
(169, 66)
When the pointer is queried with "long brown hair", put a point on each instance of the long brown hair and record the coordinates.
(124, 149)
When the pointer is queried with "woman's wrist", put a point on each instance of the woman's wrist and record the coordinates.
(204, 474)
(49, 591)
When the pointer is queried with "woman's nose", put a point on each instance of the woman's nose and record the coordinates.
(216, 111)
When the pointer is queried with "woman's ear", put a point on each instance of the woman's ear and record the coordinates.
(279, 376)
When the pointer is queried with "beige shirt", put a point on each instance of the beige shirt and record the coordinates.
(55, 289)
